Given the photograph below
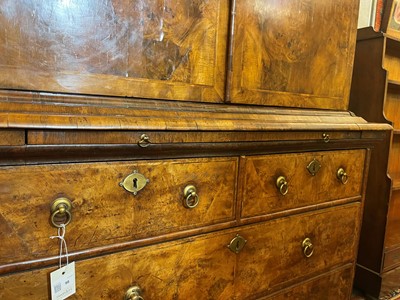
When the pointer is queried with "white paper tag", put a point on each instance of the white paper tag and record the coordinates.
(62, 282)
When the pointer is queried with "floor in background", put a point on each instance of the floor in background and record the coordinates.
(360, 296)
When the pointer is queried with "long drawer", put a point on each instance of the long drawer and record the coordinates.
(262, 258)
(273, 183)
(104, 212)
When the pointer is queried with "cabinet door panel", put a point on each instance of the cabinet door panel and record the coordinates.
(293, 53)
(157, 49)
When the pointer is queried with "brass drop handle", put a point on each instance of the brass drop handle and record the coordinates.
(133, 293)
(342, 176)
(144, 141)
(308, 248)
(61, 209)
(282, 185)
(191, 198)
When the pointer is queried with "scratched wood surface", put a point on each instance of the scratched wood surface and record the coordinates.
(258, 174)
(204, 268)
(293, 53)
(157, 49)
(103, 212)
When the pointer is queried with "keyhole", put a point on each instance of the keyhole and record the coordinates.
(135, 183)
(237, 246)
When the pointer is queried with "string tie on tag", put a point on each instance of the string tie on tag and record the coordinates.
(63, 244)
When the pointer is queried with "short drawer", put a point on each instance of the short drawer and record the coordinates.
(103, 212)
(203, 267)
(274, 256)
(273, 183)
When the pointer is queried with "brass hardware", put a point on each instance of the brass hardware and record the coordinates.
(133, 293)
(134, 182)
(191, 199)
(282, 185)
(61, 212)
(237, 244)
(342, 176)
(313, 167)
(326, 137)
(308, 248)
(144, 141)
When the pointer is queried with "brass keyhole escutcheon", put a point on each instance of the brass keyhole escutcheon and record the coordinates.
(237, 244)
(313, 167)
(134, 182)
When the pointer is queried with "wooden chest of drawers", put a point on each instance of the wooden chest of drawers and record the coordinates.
(195, 149)
(261, 222)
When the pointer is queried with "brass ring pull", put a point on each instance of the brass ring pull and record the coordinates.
(308, 248)
(326, 137)
(144, 141)
(342, 176)
(191, 199)
(133, 293)
(282, 185)
(61, 208)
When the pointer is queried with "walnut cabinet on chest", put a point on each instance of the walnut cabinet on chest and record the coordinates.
(196, 149)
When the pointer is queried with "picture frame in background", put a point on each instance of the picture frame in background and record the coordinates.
(391, 18)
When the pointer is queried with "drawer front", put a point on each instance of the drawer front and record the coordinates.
(259, 175)
(203, 267)
(200, 268)
(103, 212)
(274, 255)
(334, 285)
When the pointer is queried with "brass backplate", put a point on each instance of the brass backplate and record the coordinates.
(237, 244)
(313, 167)
(134, 182)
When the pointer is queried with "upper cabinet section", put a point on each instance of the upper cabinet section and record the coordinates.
(163, 49)
(293, 53)
(264, 52)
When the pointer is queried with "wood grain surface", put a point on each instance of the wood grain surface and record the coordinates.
(204, 268)
(103, 212)
(153, 49)
(260, 194)
(293, 53)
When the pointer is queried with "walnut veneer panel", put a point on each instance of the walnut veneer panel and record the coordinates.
(103, 212)
(333, 285)
(273, 256)
(55, 137)
(259, 174)
(204, 268)
(10, 137)
(155, 49)
(293, 53)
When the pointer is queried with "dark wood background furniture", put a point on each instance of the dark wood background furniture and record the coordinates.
(375, 96)
(205, 147)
